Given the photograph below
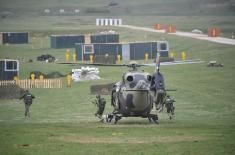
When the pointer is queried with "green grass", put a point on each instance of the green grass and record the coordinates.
(63, 120)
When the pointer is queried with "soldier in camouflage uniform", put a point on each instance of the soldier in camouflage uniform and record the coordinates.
(28, 100)
(169, 106)
(100, 103)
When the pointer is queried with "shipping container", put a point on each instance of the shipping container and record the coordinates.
(84, 51)
(213, 32)
(158, 26)
(138, 50)
(127, 51)
(66, 41)
(170, 28)
(8, 69)
(105, 38)
(14, 37)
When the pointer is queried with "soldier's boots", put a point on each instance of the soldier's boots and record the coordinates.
(101, 106)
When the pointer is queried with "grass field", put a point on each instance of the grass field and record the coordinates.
(63, 120)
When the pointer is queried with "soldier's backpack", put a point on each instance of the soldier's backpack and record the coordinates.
(28, 98)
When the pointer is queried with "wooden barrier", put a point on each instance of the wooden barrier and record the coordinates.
(7, 82)
(28, 84)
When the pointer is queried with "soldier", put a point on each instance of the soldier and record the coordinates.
(169, 106)
(28, 99)
(100, 103)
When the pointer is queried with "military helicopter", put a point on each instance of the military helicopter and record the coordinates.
(136, 94)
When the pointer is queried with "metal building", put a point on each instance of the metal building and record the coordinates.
(128, 51)
(8, 69)
(14, 38)
(66, 41)
(105, 38)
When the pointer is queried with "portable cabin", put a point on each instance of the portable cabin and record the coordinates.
(14, 38)
(8, 69)
(127, 51)
(66, 41)
(104, 38)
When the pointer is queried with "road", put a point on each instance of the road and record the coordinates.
(186, 34)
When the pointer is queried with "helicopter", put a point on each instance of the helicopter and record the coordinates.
(136, 94)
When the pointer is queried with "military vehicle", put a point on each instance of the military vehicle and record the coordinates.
(214, 64)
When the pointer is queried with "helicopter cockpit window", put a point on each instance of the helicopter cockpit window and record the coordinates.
(130, 78)
(133, 79)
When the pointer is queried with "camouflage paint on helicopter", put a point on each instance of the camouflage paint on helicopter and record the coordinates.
(131, 96)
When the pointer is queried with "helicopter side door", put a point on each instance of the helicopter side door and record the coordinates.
(158, 89)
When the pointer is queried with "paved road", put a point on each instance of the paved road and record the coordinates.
(186, 34)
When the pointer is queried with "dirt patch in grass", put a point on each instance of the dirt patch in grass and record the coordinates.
(121, 140)
(11, 91)
(25, 146)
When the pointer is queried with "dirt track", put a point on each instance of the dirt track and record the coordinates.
(186, 34)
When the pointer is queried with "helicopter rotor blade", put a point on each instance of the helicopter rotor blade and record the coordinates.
(195, 61)
(93, 64)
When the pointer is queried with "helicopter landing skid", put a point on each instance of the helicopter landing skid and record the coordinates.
(153, 118)
(112, 116)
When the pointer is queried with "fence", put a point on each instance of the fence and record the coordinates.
(28, 84)
(7, 82)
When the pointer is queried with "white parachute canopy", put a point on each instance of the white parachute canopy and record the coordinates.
(85, 73)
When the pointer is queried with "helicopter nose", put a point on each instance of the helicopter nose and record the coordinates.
(142, 85)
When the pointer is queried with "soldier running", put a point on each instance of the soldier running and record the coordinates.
(169, 106)
(100, 103)
(28, 100)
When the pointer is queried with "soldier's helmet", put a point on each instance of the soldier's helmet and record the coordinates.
(98, 96)
(27, 91)
(168, 96)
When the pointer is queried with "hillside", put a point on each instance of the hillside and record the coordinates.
(30, 15)
(120, 7)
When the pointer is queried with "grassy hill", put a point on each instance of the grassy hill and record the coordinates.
(185, 14)
(63, 120)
